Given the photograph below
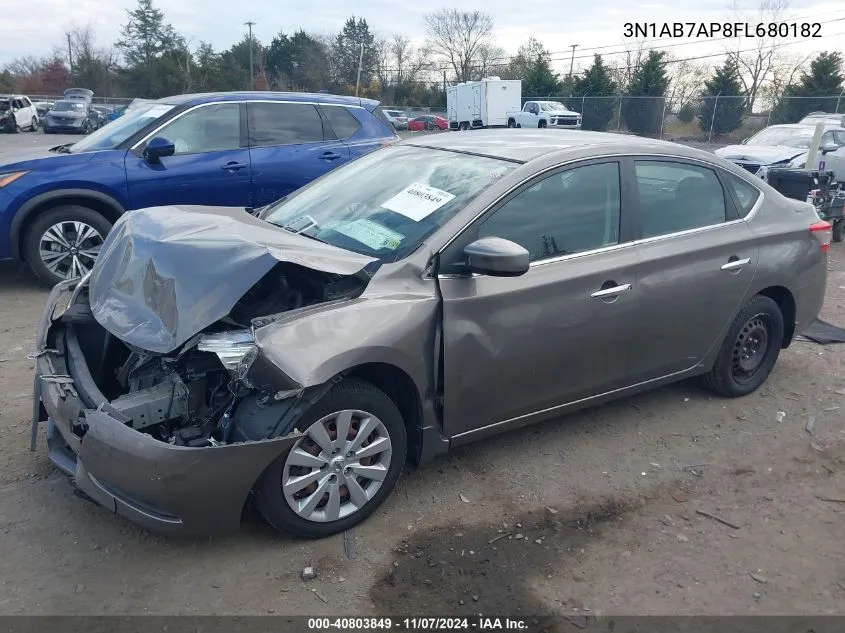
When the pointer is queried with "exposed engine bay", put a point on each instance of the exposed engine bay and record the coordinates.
(201, 394)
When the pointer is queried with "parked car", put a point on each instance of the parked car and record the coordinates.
(544, 114)
(70, 115)
(234, 149)
(418, 298)
(116, 113)
(82, 94)
(824, 117)
(99, 116)
(786, 146)
(42, 107)
(397, 118)
(17, 113)
(427, 122)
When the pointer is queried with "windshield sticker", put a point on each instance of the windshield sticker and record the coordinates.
(157, 111)
(418, 201)
(370, 234)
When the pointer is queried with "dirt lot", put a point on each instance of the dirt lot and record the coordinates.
(594, 513)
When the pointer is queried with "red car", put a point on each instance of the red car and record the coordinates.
(427, 122)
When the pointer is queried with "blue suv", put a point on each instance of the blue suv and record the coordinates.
(226, 149)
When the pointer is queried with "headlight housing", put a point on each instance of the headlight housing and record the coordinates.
(235, 349)
(10, 177)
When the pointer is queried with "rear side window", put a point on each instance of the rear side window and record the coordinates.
(677, 197)
(381, 116)
(744, 194)
(283, 124)
(342, 121)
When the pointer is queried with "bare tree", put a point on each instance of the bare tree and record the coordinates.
(626, 64)
(462, 38)
(24, 66)
(686, 81)
(408, 62)
(492, 60)
(785, 71)
(757, 58)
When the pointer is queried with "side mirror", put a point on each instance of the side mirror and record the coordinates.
(157, 148)
(744, 141)
(828, 147)
(496, 257)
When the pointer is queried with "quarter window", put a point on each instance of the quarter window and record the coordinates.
(677, 197)
(744, 194)
(283, 124)
(568, 212)
(210, 128)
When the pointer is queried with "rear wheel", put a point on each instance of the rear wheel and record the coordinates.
(342, 468)
(749, 351)
(464, 126)
(64, 242)
(838, 230)
(33, 125)
(541, 124)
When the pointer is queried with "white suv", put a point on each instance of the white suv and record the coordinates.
(17, 113)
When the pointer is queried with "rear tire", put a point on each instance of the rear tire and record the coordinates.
(838, 230)
(749, 351)
(277, 506)
(37, 233)
(33, 126)
(541, 124)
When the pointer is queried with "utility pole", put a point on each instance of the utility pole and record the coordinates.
(69, 54)
(250, 24)
(360, 63)
(572, 61)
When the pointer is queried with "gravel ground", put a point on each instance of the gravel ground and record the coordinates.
(594, 512)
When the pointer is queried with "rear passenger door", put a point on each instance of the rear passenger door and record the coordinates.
(698, 258)
(290, 144)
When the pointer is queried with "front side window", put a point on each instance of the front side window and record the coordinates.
(568, 212)
(211, 128)
(677, 197)
(386, 203)
(283, 124)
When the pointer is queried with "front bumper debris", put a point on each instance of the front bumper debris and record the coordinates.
(161, 487)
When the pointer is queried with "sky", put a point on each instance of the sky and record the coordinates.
(38, 26)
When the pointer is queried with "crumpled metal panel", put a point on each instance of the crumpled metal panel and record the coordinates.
(165, 273)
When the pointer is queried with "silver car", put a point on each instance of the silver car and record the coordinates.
(431, 293)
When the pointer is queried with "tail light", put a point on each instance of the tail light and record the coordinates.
(823, 232)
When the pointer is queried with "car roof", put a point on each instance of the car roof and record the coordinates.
(524, 145)
(801, 126)
(206, 97)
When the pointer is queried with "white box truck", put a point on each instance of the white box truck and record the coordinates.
(485, 103)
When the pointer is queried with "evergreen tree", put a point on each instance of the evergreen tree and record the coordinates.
(346, 51)
(819, 90)
(598, 86)
(643, 110)
(722, 93)
(298, 62)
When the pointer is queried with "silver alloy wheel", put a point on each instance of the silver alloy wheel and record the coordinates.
(337, 466)
(69, 249)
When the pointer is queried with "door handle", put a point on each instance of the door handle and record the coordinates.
(736, 263)
(329, 156)
(604, 293)
(233, 166)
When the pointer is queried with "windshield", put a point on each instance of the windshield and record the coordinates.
(550, 106)
(785, 136)
(386, 203)
(69, 106)
(113, 134)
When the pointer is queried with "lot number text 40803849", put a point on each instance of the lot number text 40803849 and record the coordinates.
(722, 29)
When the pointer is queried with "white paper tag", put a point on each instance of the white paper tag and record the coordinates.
(156, 111)
(370, 234)
(418, 201)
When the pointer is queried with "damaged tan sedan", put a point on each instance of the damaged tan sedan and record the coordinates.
(433, 292)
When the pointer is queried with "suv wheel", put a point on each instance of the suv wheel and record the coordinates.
(749, 350)
(342, 468)
(64, 242)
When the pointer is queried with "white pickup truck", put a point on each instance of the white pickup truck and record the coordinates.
(544, 114)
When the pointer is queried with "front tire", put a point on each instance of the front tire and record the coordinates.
(511, 123)
(64, 242)
(33, 125)
(541, 124)
(324, 484)
(749, 351)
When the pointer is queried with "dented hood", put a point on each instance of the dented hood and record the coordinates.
(165, 273)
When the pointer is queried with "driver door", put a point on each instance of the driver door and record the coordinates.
(518, 349)
(211, 165)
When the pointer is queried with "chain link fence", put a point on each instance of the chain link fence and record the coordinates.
(716, 119)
